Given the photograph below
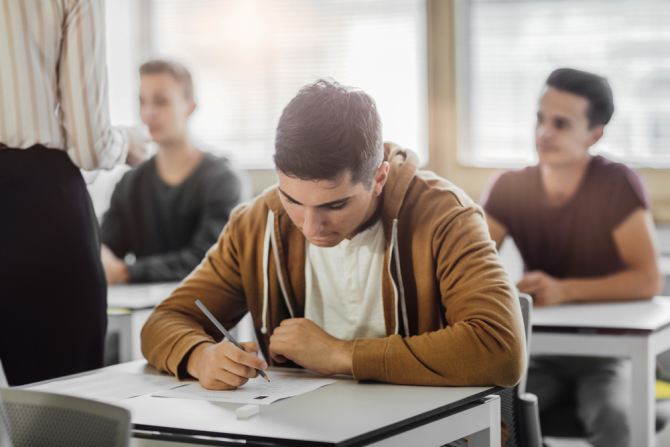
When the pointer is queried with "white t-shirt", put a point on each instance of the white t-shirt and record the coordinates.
(344, 286)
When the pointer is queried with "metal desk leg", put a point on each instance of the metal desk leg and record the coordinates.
(120, 321)
(643, 402)
(488, 437)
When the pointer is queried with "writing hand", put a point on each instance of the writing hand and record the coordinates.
(224, 366)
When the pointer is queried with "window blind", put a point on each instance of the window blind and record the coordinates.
(512, 46)
(249, 58)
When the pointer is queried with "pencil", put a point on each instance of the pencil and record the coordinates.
(226, 333)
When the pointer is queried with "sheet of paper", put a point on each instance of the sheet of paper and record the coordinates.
(110, 386)
(139, 296)
(256, 391)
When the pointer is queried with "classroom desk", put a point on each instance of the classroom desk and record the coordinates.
(128, 308)
(347, 413)
(636, 330)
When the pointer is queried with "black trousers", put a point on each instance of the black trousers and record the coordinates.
(53, 292)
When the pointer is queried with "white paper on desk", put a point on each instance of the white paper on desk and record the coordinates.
(110, 386)
(256, 391)
(139, 296)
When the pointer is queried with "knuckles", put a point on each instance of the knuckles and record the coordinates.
(238, 381)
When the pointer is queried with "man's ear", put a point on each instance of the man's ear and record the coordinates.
(381, 176)
(191, 108)
(596, 134)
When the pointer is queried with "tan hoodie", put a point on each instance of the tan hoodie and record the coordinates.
(451, 312)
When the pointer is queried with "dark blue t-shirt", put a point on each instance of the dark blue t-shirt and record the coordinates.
(574, 239)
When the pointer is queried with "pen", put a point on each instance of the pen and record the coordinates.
(225, 333)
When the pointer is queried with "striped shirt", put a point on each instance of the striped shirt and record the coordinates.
(53, 81)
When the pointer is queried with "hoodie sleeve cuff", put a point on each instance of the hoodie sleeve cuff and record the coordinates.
(368, 362)
(180, 352)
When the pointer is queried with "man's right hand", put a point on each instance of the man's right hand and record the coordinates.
(224, 366)
(138, 138)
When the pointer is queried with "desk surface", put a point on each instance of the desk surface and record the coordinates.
(139, 296)
(335, 414)
(647, 316)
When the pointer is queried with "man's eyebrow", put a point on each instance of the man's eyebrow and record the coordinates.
(323, 205)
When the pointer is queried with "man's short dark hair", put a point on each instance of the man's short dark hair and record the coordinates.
(327, 130)
(590, 86)
(178, 71)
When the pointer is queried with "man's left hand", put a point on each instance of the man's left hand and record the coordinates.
(545, 289)
(305, 343)
(116, 270)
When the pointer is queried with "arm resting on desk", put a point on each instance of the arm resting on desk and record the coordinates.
(177, 326)
(640, 280)
(483, 343)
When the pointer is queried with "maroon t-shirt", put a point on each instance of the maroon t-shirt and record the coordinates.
(574, 239)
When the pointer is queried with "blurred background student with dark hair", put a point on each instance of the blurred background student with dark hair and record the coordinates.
(169, 210)
(54, 120)
(584, 229)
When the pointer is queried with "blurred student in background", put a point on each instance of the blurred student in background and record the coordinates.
(583, 226)
(171, 209)
(54, 119)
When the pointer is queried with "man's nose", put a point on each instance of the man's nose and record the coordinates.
(313, 224)
(543, 132)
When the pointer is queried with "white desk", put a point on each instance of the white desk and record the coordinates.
(637, 330)
(139, 296)
(128, 308)
(347, 413)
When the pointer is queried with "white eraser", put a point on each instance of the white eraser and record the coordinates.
(247, 411)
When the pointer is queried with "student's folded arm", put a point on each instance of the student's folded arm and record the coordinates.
(221, 196)
(112, 230)
(641, 279)
(177, 325)
(483, 343)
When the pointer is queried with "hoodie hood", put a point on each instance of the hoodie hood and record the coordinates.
(403, 165)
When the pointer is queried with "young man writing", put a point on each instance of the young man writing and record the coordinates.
(583, 227)
(356, 263)
(171, 209)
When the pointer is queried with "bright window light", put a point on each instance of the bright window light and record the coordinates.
(510, 47)
(250, 57)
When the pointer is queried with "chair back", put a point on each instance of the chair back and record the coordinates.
(39, 419)
(5, 433)
(3, 378)
(519, 409)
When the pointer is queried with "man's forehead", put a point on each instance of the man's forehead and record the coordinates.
(317, 192)
(566, 104)
(159, 82)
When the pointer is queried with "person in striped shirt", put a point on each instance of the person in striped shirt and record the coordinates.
(54, 121)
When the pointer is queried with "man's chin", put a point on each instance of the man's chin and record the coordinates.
(325, 242)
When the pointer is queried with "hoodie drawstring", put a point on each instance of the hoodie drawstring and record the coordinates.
(266, 255)
(395, 252)
(279, 275)
(270, 240)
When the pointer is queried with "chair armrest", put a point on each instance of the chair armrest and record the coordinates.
(529, 413)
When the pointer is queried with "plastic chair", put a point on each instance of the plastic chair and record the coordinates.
(519, 409)
(38, 419)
